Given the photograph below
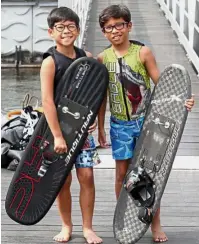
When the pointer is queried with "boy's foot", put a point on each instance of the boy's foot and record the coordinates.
(158, 235)
(91, 237)
(64, 235)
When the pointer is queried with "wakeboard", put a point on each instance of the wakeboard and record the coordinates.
(155, 150)
(41, 172)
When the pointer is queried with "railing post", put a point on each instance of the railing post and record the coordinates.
(82, 8)
(182, 14)
(65, 3)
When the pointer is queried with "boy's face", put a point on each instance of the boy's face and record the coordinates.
(117, 30)
(64, 33)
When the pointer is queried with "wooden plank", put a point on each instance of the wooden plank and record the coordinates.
(46, 237)
(180, 212)
(78, 228)
(100, 210)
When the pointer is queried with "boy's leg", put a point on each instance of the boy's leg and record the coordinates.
(158, 234)
(87, 200)
(121, 169)
(64, 207)
(122, 142)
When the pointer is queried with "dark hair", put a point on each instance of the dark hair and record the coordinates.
(62, 14)
(116, 12)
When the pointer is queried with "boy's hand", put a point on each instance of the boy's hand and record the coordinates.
(102, 139)
(189, 103)
(92, 127)
(60, 146)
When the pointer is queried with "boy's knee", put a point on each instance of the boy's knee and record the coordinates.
(121, 169)
(68, 181)
(120, 177)
(85, 176)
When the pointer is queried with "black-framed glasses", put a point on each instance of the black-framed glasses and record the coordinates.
(117, 26)
(61, 27)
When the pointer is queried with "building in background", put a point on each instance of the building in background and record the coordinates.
(24, 27)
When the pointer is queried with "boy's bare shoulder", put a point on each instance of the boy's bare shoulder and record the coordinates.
(100, 57)
(47, 68)
(145, 50)
(48, 62)
(145, 53)
(88, 54)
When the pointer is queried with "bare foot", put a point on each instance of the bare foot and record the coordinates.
(64, 235)
(91, 237)
(158, 235)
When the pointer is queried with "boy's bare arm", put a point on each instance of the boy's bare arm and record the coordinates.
(148, 60)
(101, 120)
(94, 125)
(101, 116)
(102, 111)
(88, 54)
(47, 74)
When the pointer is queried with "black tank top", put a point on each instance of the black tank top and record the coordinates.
(62, 63)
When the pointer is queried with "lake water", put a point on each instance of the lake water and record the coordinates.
(15, 84)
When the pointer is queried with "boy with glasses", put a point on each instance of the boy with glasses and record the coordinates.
(130, 65)
(64, 29)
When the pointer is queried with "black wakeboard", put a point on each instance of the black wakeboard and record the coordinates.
(41, 172)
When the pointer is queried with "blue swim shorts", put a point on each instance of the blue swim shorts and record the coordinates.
(124, 135)
(88, 156)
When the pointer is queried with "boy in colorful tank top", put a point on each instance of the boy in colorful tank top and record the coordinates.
(130, 65)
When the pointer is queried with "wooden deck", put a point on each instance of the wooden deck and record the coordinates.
(180, 212)
(180, 203)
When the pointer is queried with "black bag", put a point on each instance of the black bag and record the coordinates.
(15, 135)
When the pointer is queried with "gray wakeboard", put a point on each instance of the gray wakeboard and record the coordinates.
(155, 151)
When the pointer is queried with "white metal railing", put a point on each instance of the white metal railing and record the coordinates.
(184, 18)
(82, 8)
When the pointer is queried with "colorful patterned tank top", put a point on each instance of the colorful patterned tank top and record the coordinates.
(129, 86)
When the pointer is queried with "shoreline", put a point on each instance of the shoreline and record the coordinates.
(7, 66)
